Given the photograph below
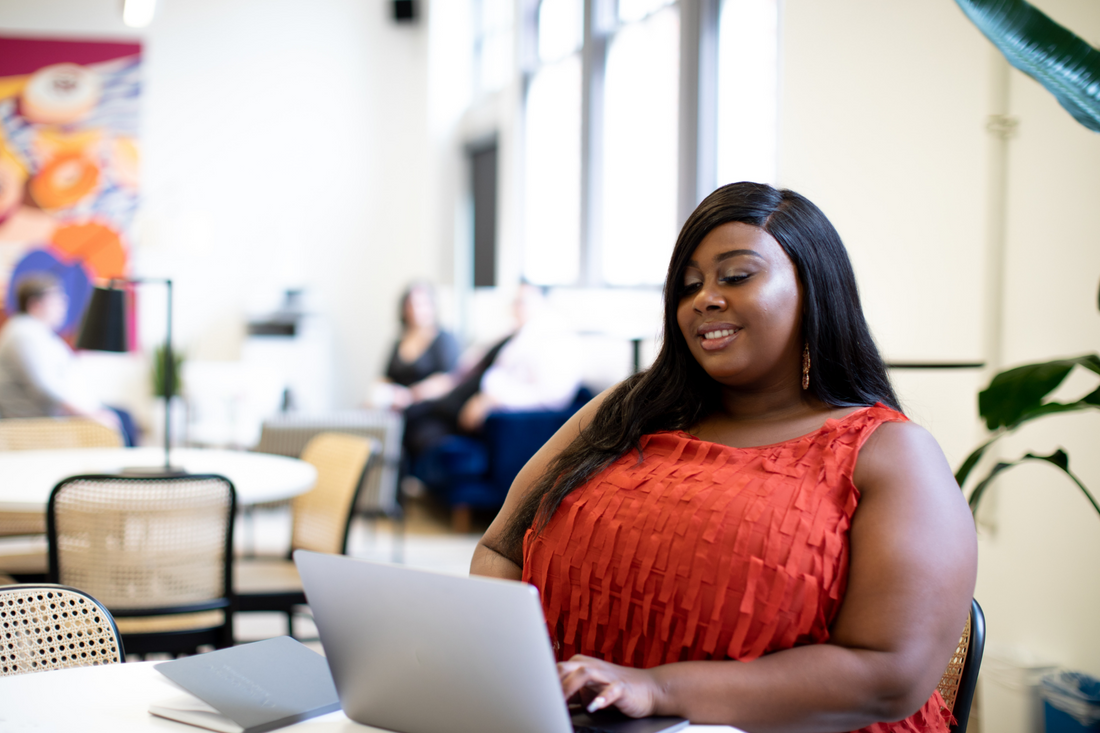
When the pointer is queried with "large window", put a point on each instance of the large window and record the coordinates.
(552, 181)
(494, 44)
(640, 144)
(634, 110)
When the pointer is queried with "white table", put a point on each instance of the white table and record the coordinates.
(28, 477)
(116, 697)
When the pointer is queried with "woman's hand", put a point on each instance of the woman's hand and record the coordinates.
(599, 684)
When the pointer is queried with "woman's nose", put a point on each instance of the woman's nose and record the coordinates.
(709, 299)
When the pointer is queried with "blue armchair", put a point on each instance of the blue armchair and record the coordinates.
(476, 472)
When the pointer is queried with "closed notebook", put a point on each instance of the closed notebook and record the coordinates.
(250, 688)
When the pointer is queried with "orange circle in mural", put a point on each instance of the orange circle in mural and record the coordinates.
(98, 246)
(64, 181)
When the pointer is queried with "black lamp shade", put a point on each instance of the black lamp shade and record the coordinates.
(104, 326)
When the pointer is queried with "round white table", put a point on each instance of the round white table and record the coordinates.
(28, 477)
(116, 698)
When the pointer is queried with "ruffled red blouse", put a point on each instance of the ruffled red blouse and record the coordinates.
(704, 551)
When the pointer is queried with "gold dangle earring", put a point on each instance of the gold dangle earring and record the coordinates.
(806, 366)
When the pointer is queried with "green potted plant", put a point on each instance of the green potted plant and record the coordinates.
(156, 424)
(159, 376)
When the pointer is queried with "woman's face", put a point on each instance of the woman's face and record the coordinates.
(740, 308)
(419, 309)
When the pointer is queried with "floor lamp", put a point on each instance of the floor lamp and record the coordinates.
(105, 329)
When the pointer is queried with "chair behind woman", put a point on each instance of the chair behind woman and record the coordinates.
(961, 678)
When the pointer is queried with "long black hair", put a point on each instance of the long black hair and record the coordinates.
(676, 393)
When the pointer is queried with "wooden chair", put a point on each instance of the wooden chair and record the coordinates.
(321, 520)
(961, 678)
(56, 433)
(43, 433)
(46, 627)
(156, 551)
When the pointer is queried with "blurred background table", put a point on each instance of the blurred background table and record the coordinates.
(28, 477)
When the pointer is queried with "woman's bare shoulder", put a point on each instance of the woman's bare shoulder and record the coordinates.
(903, 454)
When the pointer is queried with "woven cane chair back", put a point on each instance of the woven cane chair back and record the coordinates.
(156, 551)
(46, 627)
(17, 524)
(56, 433)
(321, 515)
(959, 680)
(949, 683)
(48, 433)
(142, 542)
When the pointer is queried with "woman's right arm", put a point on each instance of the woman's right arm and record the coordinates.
(489, 556)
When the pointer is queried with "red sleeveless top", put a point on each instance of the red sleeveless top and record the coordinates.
(703, 551)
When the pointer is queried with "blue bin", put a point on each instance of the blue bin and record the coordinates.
(1071, 702)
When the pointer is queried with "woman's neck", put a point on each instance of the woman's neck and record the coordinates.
(770, 403)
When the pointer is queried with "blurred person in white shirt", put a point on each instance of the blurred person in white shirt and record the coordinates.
(39, 376)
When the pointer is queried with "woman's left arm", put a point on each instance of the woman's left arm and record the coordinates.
(911, 578)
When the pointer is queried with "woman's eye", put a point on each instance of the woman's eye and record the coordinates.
(734, 279)
(689, 288)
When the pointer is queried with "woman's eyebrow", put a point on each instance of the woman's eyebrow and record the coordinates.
(727, 255)
(736, 253)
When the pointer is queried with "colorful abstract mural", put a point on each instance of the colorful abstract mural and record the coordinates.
(68, 163)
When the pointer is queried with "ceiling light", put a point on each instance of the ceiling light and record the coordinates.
(138, 13)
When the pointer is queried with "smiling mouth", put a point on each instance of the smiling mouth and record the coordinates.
(715, 335)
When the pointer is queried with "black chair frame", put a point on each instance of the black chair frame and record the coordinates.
(969, 682)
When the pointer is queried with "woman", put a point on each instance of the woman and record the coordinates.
(421, 359)
(749, 533)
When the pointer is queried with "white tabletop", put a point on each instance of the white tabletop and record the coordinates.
(28, 477)
(116, 697)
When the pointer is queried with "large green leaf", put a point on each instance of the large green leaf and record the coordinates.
(1016, 395)
(1058, 458)
(972, 460)
(1049, 53)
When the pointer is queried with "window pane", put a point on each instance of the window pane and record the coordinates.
(632, 10)
(561, 28)
(748, 96)
(552, 187)
(640, 150)
(495, 51)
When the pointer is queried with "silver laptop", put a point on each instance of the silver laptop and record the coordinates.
(422, 652)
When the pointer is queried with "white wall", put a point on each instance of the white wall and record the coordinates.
(285, 145)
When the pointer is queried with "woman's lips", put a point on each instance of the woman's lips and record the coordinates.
(713, 339)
